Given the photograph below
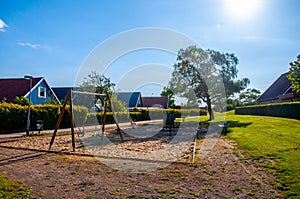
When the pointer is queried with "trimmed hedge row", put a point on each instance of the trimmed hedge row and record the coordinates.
(288, 110)
(13, 117)
(142, 115)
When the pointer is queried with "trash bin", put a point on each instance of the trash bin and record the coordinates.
(39, 125)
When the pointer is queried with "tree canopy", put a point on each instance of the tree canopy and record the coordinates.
(97, 83)
(227, 64)
(206, 76)
(294, 74)
(249, 96)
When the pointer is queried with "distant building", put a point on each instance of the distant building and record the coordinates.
(41, 92)
(157, 102)
(279, 91)
(61, 92)
(131, 99)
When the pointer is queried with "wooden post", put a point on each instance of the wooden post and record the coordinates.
(72, 121)
(59, 119)
(104, 114)
(115, 118)
(68, 98)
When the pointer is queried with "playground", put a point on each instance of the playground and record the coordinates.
(138, 160)
(62, 173)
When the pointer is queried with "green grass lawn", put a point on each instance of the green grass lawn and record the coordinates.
(270, 138)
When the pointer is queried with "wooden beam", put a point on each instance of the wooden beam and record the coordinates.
(104, 114)
(72, 121)
(115, 118)
(59, 119)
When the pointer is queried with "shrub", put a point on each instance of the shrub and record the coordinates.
(288, 110)
(13, 117)
(22, 101)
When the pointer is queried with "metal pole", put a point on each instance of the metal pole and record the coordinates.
(28, 112)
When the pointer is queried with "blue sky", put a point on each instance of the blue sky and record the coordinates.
(52, 38)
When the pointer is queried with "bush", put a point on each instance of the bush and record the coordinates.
(13, 117)
(23, 101)
(288, 110)
(48, 113)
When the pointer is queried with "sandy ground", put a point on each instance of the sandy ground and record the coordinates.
(143, 166)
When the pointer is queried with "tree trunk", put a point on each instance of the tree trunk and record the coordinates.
(209, 109)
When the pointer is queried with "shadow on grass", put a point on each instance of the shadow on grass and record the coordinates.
(232, 124)
(226, 126)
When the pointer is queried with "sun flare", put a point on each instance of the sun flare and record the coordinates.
(241, 10)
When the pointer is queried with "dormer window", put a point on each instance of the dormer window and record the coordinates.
(42, 92)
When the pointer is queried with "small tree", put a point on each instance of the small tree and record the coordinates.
(118, 105)
(170, 94)
(249, 96)
(294, 74)
(97, 83)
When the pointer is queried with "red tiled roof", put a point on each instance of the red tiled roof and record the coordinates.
(12, 87)
(151, 101)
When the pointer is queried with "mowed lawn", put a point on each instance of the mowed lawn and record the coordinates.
(270, 138)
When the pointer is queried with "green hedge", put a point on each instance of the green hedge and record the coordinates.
(13, 117)
(287, 110)
(142, 115)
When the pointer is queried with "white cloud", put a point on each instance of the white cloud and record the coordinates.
(2, 26)
(28, 44)
(32, 45)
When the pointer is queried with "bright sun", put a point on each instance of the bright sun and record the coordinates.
(241, 10)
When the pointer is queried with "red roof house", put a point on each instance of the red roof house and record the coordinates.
(41, 92)
(157, 102)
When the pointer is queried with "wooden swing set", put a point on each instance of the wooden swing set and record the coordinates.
(69, 99)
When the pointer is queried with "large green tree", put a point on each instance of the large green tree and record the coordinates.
(227, 65)
(294, 74)
(203, 74)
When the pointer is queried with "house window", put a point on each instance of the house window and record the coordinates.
(42, 92)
